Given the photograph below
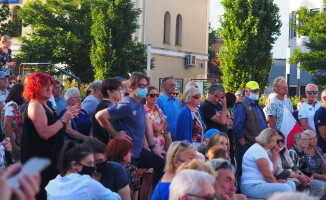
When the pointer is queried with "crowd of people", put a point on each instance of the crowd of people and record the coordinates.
(127, 141)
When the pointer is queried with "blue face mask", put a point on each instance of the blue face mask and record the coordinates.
(141, 93)
(253, 97)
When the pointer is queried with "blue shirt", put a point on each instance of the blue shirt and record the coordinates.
(130, 116)
(164, 191)
(171, 109)
(61, 104)
(240, 117)
(320, 120)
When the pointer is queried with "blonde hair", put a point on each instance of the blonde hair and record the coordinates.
(197, 165)
(216, 140)
(3, 40)
(265, 137)
(277, 82)
(175, 150)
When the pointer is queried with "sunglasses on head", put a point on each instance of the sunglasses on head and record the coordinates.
(153, 95)
(280, 141)
(224, 165)
(310, 92)
(184, 144)
(197, 96)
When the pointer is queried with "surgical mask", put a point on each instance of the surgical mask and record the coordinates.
(281, 148)
(253, 97)
(87, 170)
(11, 85)
(100, 167)
(141, 93)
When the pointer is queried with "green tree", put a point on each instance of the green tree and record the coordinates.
(60, 34)
(249, 28)
(312, 25)
(7, 26)
(213, 61)
(114, 52)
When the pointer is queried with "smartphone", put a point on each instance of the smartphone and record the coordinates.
(31, 167)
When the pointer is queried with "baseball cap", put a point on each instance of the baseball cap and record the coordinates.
(3, 74)
(252, 85)
(211, 132)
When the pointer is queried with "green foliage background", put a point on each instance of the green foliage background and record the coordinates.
(7, 26)
(249, 29)
(312, 25)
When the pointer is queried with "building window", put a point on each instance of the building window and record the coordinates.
(14, 18)
(178, 31)
(292, 32)
(167, 25)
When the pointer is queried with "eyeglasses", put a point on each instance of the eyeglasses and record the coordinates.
(314, 138)
(143, 85)
(310, 92)
(208, 197)
(240, 95)
(12, 82)
(153, 95)
(280, 141)
(77, 98)
(196, 96)
(184, 144)
(175, 94)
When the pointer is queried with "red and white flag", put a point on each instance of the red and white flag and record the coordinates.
(289, 127)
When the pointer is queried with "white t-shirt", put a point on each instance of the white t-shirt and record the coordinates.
(307, 111)
(75, 186)
(250, 172)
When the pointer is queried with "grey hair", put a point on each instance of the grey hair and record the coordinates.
(96, 85)
(292, 196)
(70, 92)
(298, 136)
(276, 82)
(189, 92)
(165, 79)
(216, 164)
(191, 83)
(264, 137)
(187, 181)
(216, 87)
(310, 84)
(308, 132)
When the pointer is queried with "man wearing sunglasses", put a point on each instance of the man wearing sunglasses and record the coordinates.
(308, 108)
(249, 120)
(239, 95)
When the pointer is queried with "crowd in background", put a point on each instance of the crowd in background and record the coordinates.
(125, 140)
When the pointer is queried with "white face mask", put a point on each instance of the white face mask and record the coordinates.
(11, 85)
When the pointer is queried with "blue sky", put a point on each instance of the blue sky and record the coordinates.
(280, 46)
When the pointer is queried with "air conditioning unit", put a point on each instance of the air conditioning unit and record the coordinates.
(190, 60)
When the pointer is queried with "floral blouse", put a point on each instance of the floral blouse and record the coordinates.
(134, 178)
(5, 58)
(11, 109)
(315, 162)
(198, 128)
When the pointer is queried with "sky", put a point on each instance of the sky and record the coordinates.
(280, 46)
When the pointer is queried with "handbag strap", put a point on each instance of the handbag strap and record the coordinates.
(321, 156)
(158, 190)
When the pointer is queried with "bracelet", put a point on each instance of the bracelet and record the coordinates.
(61, 120)
(152, 146)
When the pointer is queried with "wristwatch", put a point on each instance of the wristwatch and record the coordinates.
(152, 146)
(61, 120)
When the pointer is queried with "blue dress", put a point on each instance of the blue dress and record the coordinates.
(164, 191)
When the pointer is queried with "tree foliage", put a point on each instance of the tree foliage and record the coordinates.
(8, 27)
(313, 26)
(114, 52)
(60, 34)
(249, 29)
(213, 61)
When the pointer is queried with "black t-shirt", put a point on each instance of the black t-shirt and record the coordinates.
(114, 177)
(98, 130)
(208, 110)
(320, 120)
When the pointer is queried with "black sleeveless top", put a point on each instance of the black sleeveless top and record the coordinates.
(33, 145)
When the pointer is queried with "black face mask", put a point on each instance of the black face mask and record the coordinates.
(100, 167)
(86, 170)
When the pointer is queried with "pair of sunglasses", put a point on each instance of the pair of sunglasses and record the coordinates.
(280, 141)
(153, 95)
(197, 96)
(240, 95)
(175, 93)
(310, 92)
(184, 144)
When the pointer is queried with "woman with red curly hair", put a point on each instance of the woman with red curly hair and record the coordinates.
(42, 131)
(119, 150)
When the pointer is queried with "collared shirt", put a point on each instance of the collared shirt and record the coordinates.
(307, 111)
(276, 108)
(3, 96)
(171, 109)
(60, 104)
(240, 117)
